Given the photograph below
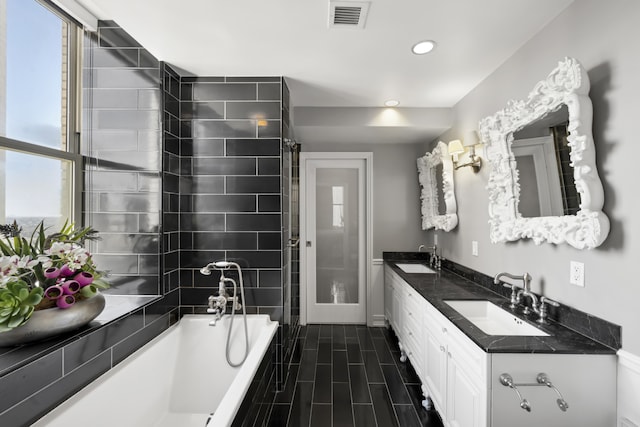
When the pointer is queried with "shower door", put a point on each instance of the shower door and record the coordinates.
(334, 244)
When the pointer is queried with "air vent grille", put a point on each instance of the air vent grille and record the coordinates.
(347, 14)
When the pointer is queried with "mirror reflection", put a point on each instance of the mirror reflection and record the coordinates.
(441, 207)
(546, 177)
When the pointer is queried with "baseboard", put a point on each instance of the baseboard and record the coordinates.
(628, 389)
(378, 320)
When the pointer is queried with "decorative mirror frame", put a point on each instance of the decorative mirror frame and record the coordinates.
(429, 193)
(567, 84)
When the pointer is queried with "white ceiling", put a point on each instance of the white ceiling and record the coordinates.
(329, 67)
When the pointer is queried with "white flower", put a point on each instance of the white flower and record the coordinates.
(8, 268)
(60, 249)
(78, 258)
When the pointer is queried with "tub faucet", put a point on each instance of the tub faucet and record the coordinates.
(217, 306)
(517, 295)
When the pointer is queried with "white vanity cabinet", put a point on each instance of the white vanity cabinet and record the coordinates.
(403, 309)
(463, 381)
(392, 294)
(455, 372)
(452, 368)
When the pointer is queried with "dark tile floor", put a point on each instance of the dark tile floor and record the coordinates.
(348, 375)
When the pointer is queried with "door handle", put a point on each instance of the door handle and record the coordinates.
(308, 243)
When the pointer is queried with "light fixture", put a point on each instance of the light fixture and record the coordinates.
(392, 103)
(423, 47)
(456, 148)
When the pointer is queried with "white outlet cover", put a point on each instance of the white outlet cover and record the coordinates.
(576, 273)
(474, 248)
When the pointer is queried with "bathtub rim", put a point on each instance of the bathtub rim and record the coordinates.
(227, 407)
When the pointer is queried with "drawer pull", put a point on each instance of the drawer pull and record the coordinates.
(444, 330)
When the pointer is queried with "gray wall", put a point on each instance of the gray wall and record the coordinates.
(601, 35)
(396, 195)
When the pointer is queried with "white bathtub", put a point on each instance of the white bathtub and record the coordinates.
(177, 379)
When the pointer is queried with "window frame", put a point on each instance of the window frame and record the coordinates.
(73, 116)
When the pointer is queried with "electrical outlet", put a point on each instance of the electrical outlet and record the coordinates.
(576, 273)
(474, 248)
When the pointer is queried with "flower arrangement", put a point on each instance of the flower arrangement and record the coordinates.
(45, 271)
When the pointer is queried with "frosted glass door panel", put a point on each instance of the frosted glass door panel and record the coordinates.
(337, 226)
(335, 239)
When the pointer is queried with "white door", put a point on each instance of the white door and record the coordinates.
(334, 243)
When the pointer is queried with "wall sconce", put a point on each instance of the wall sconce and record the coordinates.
(456, 148)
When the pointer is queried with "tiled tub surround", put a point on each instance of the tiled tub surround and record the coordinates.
(152, 228)
(567, 332)
(195, 384)
(231, 185)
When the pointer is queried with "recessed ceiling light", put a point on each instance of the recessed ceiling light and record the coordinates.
(423, 47)
(392, 103)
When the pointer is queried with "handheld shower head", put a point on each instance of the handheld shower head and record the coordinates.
(217, 265)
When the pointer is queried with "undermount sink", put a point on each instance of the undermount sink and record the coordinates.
(414, 268)
(493, 320)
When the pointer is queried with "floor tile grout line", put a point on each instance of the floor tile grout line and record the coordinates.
(386, 388)
(402, 380)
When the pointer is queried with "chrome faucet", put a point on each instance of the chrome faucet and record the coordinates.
(517, 295)
(217, 306)
(434, 259)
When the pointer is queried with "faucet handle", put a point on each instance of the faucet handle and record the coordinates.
(543, 308)
(545, 300)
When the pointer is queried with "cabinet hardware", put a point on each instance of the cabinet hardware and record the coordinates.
(542, 379)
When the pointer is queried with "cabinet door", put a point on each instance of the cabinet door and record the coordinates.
(435, 366)
(464, 397)
(388, 299)
(396, 312)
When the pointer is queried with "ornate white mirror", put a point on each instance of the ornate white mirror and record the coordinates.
(544, 184)
(435, 173)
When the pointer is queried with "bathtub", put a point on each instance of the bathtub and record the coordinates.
(179, 378)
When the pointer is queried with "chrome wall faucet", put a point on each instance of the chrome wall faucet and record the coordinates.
(517, 295)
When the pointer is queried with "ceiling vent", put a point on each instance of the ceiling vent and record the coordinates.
(348, 14)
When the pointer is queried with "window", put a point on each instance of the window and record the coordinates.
(40, 165)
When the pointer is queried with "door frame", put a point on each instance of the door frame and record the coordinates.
(368, 203)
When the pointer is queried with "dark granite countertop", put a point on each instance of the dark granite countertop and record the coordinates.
(445, 285)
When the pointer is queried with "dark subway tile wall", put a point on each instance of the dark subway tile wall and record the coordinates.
(121, 140)
(231, 190)
(172, 179)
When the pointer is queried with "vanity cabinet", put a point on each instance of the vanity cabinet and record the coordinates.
(463, 381)
(403, 309)
(392, 295)
(455, 372)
